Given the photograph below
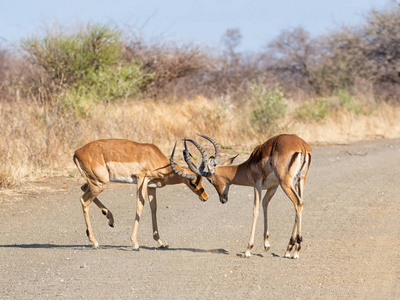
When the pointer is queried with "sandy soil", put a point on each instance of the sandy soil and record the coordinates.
(351, 230)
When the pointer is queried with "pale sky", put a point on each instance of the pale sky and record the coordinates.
(203, 22)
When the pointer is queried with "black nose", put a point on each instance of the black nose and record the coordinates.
(223, 200)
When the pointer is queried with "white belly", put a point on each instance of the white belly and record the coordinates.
(132, 180)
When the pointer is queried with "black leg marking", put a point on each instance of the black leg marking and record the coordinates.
(84, 187)
(292, 242)
(299, 239)
(104, 212)
(87, 232)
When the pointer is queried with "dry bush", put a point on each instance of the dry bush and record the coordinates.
(339, 60)
(4, 70)
(341, 63)
(382, 50)
(290, 58)
(232, 70)
(167, 61)
(34, 140)
(189, 70)
(13, 71)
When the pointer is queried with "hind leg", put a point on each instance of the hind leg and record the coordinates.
(105, 212)
(100, 205)
(87, 198)
(296, 237)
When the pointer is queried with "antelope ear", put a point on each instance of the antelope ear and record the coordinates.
(211, 164)
(229, 161)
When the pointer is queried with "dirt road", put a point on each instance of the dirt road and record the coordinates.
(351, 230)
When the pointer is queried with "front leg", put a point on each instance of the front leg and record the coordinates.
(153, 205)
(256, 209)
(141, 195)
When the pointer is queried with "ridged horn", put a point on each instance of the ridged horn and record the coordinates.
(191, 166)
(173, 166)
(216, 147)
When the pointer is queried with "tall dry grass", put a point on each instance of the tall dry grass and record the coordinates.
(38, 140)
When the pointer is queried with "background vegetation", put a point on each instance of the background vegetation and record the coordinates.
(64, 88)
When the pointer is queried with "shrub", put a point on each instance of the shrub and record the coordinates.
(319, 109)
(106, 85)
(348, 102)
(269, 106)
(86, 66)
(72, 58)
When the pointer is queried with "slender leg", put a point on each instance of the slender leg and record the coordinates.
(301, 184)
(296, 237)
(256, 209)
(105, 211)
(87, 198)
(141, 194)
(292, 240)
(267, 198)
(153, 205)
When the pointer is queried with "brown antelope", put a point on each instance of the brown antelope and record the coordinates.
(282, 160)
(125, 161)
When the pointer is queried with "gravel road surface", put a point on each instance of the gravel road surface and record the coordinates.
(351, 232)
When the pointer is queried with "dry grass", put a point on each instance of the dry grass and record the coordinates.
(344, 126)
(36, 141)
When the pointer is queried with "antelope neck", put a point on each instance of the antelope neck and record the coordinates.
(236, 174)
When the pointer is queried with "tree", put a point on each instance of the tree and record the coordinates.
(291, 56)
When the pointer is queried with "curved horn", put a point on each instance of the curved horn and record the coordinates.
(191, 166)
(216, 147)
(184, 175)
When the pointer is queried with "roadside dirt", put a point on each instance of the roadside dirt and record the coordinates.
(351, 231)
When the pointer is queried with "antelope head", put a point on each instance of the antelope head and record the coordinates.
(192, 180)
(209, 167)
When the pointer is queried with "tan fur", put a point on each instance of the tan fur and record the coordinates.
(102, 160)
(271, 164)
